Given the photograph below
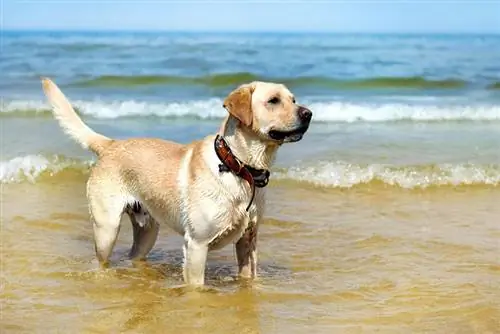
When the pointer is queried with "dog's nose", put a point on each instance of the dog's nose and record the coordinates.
(305, 114)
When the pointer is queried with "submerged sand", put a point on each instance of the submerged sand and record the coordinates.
(355, 260)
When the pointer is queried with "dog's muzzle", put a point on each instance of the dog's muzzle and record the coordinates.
(290, 136)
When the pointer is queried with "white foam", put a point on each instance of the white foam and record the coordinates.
(324, 174)
(349, 112)
(204, 109)
(30, 167)
(345, 175)
(323, 111)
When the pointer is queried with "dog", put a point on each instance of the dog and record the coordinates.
(211, 191)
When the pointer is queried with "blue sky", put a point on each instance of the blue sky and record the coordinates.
(340, 16)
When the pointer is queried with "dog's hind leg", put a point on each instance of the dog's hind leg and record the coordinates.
(106, 210)
(106, 227)
(145, 230)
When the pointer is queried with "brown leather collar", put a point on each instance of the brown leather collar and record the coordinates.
(230, 163)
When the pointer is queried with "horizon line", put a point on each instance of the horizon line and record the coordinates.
(236, 31)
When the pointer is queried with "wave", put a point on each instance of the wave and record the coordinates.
(379, 82)
(212, 109)
(494, 85)
(40, 168)
(345, 175)
(33, 168)
(141, 80)
(231, 79)
(203, 109)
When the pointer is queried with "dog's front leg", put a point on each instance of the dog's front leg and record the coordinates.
(246, 252)
(195, 258)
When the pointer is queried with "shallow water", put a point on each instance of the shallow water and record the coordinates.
(351, 261)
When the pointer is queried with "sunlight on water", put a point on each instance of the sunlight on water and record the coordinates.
(355, 261)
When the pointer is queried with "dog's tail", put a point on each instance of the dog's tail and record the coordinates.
(70, 121)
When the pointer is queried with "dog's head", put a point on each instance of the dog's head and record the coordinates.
(269, 110)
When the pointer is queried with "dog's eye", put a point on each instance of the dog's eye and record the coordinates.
(274, 100)
(293, 100)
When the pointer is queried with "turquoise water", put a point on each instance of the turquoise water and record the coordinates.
(407, 110)
(172, 66)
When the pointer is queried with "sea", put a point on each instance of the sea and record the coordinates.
(385, 217)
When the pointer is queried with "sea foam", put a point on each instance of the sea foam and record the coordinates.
(341, 174)
(30, 168)
(333, 111)
(328, 174)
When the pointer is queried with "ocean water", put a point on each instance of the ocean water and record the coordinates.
(384, 218)
(405, 110)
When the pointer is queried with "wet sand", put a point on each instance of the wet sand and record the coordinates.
(360, 260)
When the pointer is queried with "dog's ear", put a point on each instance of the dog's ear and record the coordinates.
(239, 104)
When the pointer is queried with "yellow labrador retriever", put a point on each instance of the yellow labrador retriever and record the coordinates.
(211, 191)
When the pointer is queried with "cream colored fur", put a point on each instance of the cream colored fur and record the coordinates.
(180, 185)
(71, 123)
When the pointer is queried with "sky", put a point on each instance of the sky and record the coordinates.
(418, 16)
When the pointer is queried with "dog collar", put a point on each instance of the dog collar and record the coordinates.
(230, 163)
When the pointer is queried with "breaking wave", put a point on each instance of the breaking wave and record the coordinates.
(346, 175)
(333, 111)
(34, 168)
(40, 168)
(230, 79)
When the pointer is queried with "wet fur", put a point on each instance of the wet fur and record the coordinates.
(159, 182)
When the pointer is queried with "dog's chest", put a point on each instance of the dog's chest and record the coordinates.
(216, 205)
(234, 223)
(222, 219)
